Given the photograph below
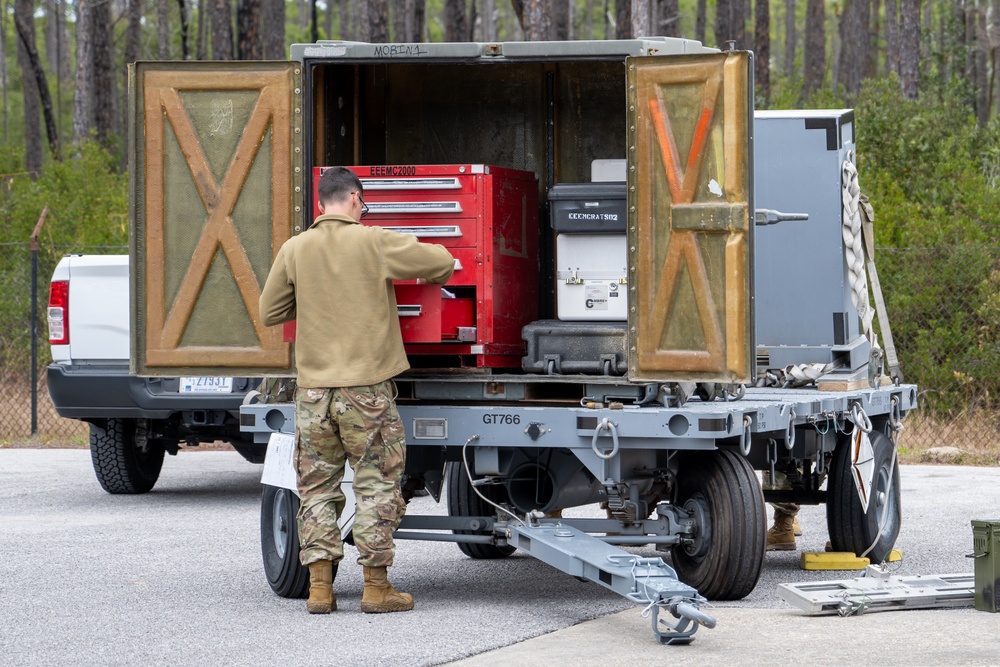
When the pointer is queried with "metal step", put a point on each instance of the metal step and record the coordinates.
(879, 590)
(645, 581)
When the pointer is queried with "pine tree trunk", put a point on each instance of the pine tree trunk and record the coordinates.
(670, 18)
(201, 48)
(273, 29)
(490, 20)
(623, 19)
(762, 51)
(51, 32)
(303, 16)
(560, 21)
(222, 29)
(105, 82)
(84, 85)
(537, 20)
(982, 77)
(909, 47)
(346, 31)
(854, 39)
(419, 20)
(248, 39)
(700, 21)
(184, 13)
(815, 46)
(455, 27)
(162, 28)
(891, 36)
(640, 18)
(995, 55)
(379, 19)
(400, 33)
(791, 38)
(729, 24)
(3, 69)
(24, 22)
(133, 35)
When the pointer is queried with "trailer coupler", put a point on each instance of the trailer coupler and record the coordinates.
(645, 581)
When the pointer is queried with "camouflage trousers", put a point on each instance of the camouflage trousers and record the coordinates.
(780, 482)
(360, 426)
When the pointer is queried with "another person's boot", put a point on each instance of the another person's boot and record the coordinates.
(379, 596)
(781, 536)
(321, 600)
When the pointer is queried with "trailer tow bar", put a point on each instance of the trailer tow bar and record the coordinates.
(645, 581)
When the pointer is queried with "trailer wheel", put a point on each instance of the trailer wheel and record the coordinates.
(279, 543)
(851, 528)
(725, 560)
(121, 465)
(463, 501)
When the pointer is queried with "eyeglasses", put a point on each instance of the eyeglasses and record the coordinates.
(364, 206)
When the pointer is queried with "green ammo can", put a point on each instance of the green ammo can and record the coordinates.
(986, 551)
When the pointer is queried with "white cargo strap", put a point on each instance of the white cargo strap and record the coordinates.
(859, 249)
(854, 248)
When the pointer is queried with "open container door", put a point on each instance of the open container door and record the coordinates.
(690, 199)
(216, 186)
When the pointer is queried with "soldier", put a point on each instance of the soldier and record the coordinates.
(335, 280)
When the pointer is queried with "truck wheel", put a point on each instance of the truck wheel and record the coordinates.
(463, 501)
(120, 464)
(279, 544)
(727, 555)
(851, 528)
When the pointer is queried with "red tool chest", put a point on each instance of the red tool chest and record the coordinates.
(487, 217)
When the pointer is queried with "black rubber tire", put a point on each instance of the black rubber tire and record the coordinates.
(733, 556)
(851, 528)
(120, 466)
(279, 544)
(463, 501)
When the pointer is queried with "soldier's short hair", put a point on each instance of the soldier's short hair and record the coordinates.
(337, 183)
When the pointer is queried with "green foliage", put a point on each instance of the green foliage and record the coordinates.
(87, 198)
(931, 174)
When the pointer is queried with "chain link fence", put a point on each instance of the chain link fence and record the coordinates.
(943, 303)
(944, 309)
(26, 411)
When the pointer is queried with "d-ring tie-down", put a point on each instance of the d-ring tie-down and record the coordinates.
(605, 425)
(747, 422)
(790, 431)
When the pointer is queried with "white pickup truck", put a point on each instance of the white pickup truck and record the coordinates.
(133, 420)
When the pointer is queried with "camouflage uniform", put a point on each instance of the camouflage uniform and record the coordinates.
(360, 426)
(780, 482)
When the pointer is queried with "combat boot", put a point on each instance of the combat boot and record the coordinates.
(781, 536)
(379, 596)
(321, 599)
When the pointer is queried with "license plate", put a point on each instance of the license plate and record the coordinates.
(206, 385)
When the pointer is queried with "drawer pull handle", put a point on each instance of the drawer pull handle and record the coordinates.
(432, 231)
(408, 310)
(411, 184)
(394, 207)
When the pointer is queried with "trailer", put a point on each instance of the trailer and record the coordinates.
(658, 294)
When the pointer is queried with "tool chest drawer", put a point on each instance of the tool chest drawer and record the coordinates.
(487, 218)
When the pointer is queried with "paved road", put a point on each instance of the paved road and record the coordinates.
(175, 577)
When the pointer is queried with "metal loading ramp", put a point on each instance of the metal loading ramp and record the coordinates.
(879, 591)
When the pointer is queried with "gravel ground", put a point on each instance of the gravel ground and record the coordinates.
(175, 576)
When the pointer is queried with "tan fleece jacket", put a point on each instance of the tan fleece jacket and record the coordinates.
(335, 280)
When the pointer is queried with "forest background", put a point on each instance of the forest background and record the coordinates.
(921, 74)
